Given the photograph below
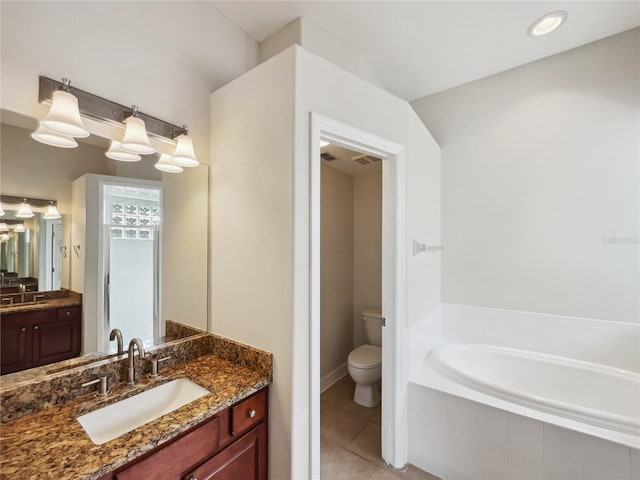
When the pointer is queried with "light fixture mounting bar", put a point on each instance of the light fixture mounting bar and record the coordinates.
(34, 202)
(104, 110)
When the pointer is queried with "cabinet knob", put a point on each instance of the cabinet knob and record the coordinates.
(252, 413)
(192, 478)
(23, 329)
(36, 327)
(68, 312)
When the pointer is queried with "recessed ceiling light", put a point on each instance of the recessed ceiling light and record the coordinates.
(547, 24)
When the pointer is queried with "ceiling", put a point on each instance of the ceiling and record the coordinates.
(349, 162)
(421, 47)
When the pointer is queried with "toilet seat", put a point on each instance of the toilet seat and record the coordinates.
(366, 356)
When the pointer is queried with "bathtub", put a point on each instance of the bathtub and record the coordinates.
(587, 392)
(498, 394)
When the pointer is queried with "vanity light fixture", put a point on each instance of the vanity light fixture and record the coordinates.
(135, 138)
(116, 152)
(52, 212)
(4, 227)
(164, 164)
(4, 236)
(19, 228)
(25, 210)
(49, 137)
(64, 116)
(184, 155)
(547, 24)
(140, 128)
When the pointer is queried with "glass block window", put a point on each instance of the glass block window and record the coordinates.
(131, 220)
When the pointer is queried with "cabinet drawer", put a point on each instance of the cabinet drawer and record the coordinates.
(68, 312)
(248, 413)
(176, 458)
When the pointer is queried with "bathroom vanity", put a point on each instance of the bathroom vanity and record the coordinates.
(40, 333)
(231, 445)
(220, 435)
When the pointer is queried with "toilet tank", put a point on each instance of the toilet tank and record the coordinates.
(372, 320)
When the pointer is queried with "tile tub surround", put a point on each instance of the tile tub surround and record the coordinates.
(456, 438)
(21, 396)
(52, 444)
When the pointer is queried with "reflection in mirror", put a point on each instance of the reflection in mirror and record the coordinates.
(34, 170)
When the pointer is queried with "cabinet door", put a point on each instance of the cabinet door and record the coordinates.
(13, 342)
(245, 459)
(57, 337)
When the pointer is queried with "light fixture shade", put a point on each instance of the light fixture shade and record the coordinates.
(135, 137)
(115, 152)
(19, 228)
(1, 211)
(184, 154)
(164, 164)
(4, 236)
(49, 137)
(64, 116)
(4, 227)
(52, 212)
(24, 211)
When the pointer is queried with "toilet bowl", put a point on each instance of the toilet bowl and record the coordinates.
(365, 362)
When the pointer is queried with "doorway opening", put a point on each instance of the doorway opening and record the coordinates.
(394, 374)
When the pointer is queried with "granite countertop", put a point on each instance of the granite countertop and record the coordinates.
(70, 301)
(52, 444)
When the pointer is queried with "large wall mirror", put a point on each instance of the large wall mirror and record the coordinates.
(169, 223)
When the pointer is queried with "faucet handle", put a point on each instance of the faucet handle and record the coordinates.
(103, 387)
(154, 365)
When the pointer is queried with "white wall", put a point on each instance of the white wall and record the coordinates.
(336, 268)
(165, 57)
(540, 169)
(367, 249)
(337, 94)
(311, 37)
(260, 217)
(252, 231)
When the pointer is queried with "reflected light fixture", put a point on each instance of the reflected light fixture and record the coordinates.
(4, 236)
(547, 24)
(49, 137)
(135, 138)
(116, 152)
(25, 210)
(4, 227)
(64, 115)
(19, 228)
(52, 212)
(164, 164)
(184, 154)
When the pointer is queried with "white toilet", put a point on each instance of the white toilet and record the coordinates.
(365, 362)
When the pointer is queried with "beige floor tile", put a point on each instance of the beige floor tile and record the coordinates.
(367, 443)
(414, 473)
(340, 426)
(387, 473)
(336, 463)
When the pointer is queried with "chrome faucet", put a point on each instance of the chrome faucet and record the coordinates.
(23, 290)
(117, 334)
(135, 342)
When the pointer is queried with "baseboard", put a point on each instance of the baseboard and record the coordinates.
(333, 376)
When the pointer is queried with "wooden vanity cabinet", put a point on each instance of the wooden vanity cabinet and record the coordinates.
(39, 337)
(230, 446)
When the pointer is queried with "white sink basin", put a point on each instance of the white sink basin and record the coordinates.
(116, 419)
